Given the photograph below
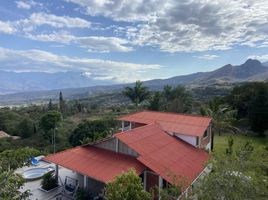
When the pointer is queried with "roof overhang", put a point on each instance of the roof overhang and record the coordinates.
(99, 164)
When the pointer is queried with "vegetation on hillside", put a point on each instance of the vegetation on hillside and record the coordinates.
(242, 113)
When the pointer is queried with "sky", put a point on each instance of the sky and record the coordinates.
(128, 40)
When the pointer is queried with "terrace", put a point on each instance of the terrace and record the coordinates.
(56, 194)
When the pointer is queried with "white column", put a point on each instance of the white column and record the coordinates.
(116, 145)
(160, 186)
(123, 125)
(85, 182)
(144, 180)
(130, 125)
(210, 137)
(57, 172)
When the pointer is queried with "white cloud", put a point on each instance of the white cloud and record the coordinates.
(23, 5)
(208, 57)
(187, 25)
(104, 44)
(6, 27)
(39, 19)
(37, 60)
(92, 43)
(28, 4)
(262, 58)
(59, 37)
(121, 10)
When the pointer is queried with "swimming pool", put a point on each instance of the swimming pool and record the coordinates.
(36, 173)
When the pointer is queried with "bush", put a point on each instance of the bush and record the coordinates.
(49, 181)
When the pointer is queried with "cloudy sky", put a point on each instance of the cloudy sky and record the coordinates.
(125, 40)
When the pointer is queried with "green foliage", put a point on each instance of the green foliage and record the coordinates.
(155, 102)
(13, 159)
(50, 105)
(50, 120)
(127, 186)
(137, 94)
(177, 99)
(223, 116)
(49, 181)
(9, 121)
(258, 110)
(170, 191)
(62, 105)
(10, 182)
(26, 127)
(88, 131)
(239, 174)
(242, 96)
(81, 194)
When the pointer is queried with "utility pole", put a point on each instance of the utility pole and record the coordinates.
(54, 141)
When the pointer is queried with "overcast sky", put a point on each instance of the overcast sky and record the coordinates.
(126, 40)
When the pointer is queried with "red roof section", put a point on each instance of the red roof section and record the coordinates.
(172, 122)
(99, 164)
(3, 134)
(165, 154)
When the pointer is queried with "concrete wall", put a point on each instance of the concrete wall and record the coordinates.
(108, 144)
(123, 148)
(189, 139)
(111, 145)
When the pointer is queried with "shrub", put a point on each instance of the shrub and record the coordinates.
(49, 181)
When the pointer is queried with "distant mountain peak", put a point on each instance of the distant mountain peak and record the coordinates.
(252, 62)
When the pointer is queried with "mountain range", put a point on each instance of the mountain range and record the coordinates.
(78, 85)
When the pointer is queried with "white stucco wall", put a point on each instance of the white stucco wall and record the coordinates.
(189, 139)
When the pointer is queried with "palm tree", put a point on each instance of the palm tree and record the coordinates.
(137, 94)
(223, 117)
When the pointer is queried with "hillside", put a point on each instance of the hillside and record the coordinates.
(224, 77)
(13, 82)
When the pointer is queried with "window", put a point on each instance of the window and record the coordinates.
(197, 141)
(205, 134)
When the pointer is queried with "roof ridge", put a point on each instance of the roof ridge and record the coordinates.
(141, 127)
(165, 121)
(60, 152)
(174, 113)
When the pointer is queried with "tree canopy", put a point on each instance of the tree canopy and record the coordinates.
(137, 94)
(10, 182)
(88, 131)
(127, 186)
(240, 174)
(50, 120)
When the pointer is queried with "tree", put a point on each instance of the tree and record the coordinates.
(50, 105)
(155, 102)
(242, 96)
(62, 105)
(89, 131)
(127, 186)
(26, 127)
(137, 94)
(177, 99)
(239, 174)
(10, 182)
(50, 120)
(223, 116)
(258, 110)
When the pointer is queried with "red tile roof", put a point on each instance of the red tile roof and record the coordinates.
(4, 134)
(165, 154)
(97, 163)
(172, 122)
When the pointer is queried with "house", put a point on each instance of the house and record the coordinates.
(158, 145)
(3, 134)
